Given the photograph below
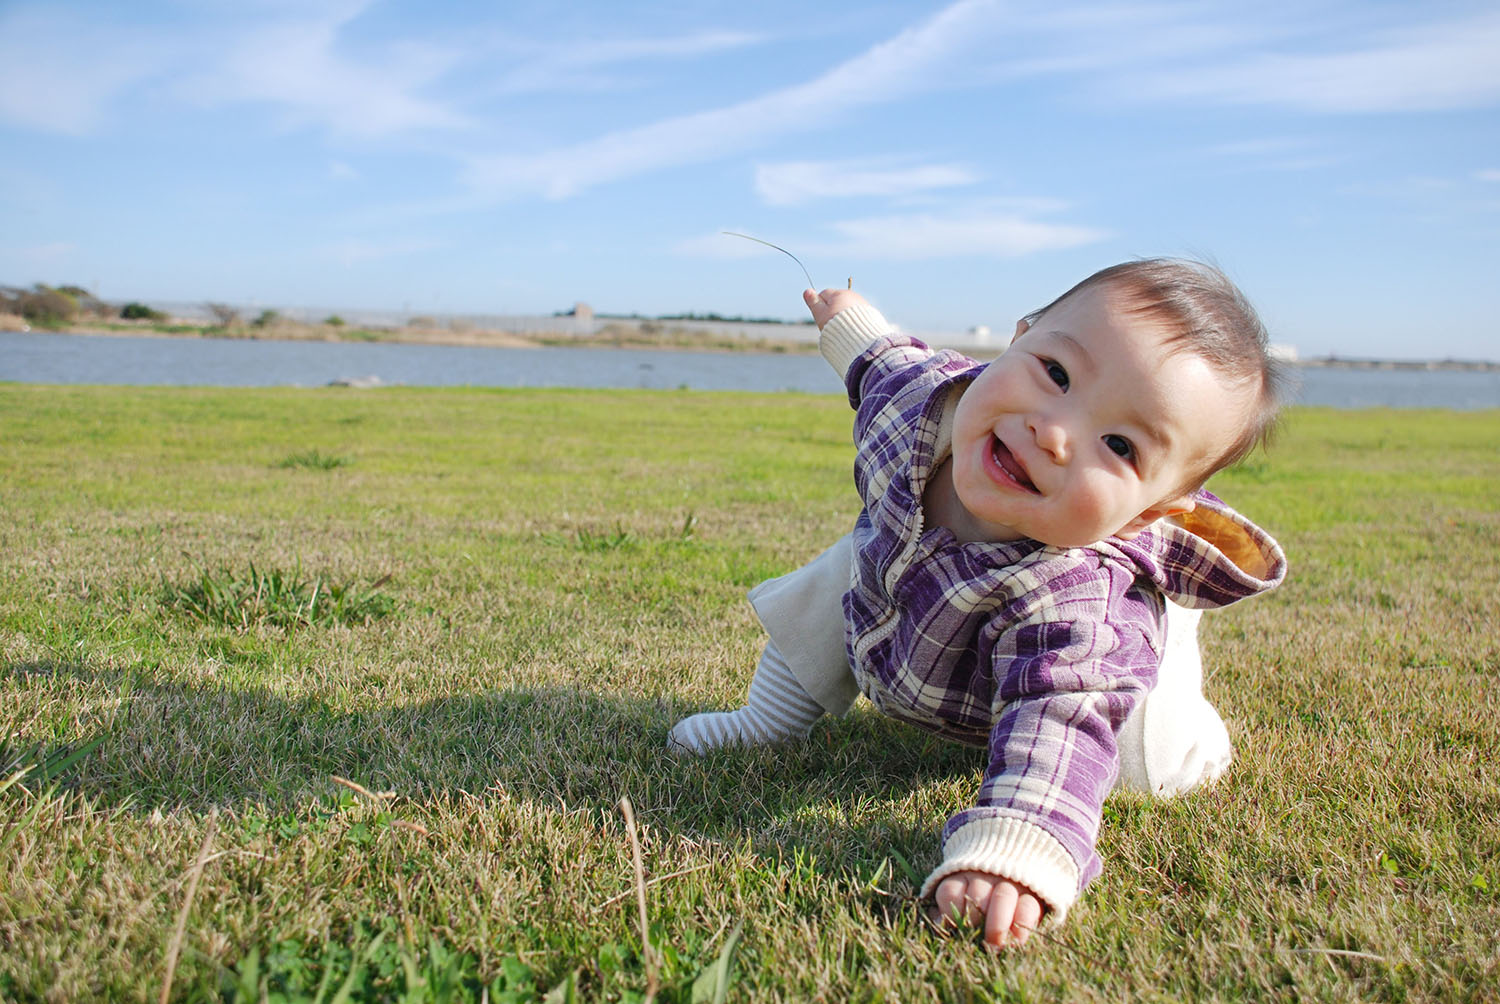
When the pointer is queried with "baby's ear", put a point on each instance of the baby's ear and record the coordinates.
(1171, 507)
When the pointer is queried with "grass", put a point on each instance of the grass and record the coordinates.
(313, 459)
(425, 805)
(277, 597)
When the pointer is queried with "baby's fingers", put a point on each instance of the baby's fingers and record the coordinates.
(961, 899)
(1028, 916)
(1001, 916)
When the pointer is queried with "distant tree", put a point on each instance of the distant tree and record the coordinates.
(47, 306)
(334, 321)
(266, 318)
(87, 302)
(225, 315)
(134, 311)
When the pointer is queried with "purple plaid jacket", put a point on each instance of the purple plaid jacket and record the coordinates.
(1037, 652)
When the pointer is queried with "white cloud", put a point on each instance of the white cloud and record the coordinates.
(920, 58)
(1431, 67)
(298, 66)
(994, 230)
(1488, 174)
(584, 65)
(797, 182)
(1153, 53)
(925, 235)
(354, 251)
(41, 254)
(61, 71)
(1272, 154)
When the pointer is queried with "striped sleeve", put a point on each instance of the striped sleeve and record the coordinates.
(1070, 677)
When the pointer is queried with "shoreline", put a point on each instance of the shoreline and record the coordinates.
(608, 337)
(659, 335)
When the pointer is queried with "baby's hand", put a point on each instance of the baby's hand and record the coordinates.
(829, 302)
(1007, 911)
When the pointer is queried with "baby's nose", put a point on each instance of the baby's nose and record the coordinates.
(1052, 438)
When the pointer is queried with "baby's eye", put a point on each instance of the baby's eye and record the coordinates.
(1056, 373)
(1120, 446)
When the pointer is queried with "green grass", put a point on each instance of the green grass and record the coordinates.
(313, 459)
(276, 597)
(425, 805)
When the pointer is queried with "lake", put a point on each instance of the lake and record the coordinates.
(39, 357)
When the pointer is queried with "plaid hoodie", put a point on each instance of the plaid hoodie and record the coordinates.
(1037, 652)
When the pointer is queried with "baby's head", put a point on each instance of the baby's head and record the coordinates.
(1114, 404)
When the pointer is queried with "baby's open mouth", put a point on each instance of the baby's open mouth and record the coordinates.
(1008, 463)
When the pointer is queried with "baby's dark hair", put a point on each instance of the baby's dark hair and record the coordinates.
(1209, 317)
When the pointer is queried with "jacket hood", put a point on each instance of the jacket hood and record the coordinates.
(1210, 557)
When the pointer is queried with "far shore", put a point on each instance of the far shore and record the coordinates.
(631, 333)
(608, 334)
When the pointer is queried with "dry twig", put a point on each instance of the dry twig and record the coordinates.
(1342, 953)
(648, 951)
(354, 786)
(660, 878)
(175, 948)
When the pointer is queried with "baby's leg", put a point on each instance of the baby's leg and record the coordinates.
(777, 709)
(1174, 740)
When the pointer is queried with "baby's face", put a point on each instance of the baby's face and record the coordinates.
(1087, 427)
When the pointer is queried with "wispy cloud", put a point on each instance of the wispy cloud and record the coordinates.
(1488, 174)
(44, 254)
(1154, 53)
(1273, 154)
(918, 59)
(1424, 67)
(796, 182)
(909, 237)
(993, 230)
(354, 251)
(588, 65)
(62, 71)
(297, 65)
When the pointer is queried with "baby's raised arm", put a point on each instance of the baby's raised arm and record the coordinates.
(1007, 911)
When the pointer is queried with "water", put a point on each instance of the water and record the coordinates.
(32, 357)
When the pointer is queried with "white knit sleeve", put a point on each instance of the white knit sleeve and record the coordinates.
(850, 332)
(1014, 849)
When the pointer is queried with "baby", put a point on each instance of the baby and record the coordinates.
(1023, 525)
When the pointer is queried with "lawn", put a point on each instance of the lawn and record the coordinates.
(310, 692)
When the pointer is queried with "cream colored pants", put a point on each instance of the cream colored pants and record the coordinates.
(1172, 742)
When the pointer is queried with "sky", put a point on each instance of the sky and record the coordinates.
(961, 163)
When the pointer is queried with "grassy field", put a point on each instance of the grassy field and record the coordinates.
(310, 692)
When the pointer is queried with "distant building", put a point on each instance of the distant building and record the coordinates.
(980, 333)
(582, 311)
(1283, 352)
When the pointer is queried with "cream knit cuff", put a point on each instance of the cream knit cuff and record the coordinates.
(850, 332)
(1017, 850)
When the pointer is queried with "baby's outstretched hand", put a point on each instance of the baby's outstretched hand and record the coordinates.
(1007, 911)
(829, 302)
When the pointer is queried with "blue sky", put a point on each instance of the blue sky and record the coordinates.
(963, 163)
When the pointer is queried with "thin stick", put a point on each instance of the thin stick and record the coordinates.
(377, 796)
(660, 878)
(1341, 952)
(175, 948)
(810, 283)
(648, 952)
